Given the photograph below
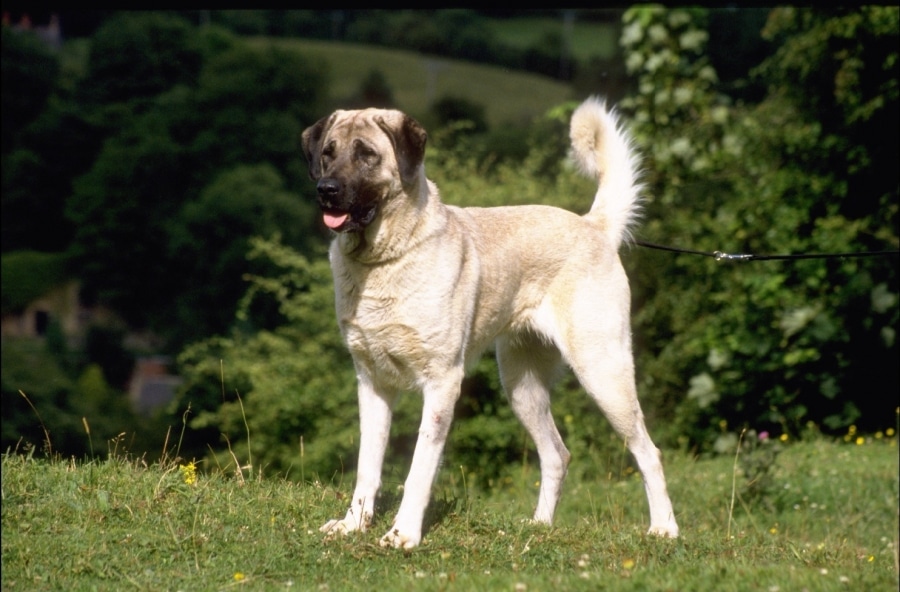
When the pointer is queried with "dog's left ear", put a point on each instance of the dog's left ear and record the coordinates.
(312, 145)
(409, 140)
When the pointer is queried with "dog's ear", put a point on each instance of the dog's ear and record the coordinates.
(312, 145)
(409, 140)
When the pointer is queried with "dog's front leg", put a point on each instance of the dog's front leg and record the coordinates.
(437, 415)
(375, 428)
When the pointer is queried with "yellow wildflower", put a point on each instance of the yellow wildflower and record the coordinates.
(189, 473)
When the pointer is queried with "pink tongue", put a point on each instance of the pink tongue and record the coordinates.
(332, 221)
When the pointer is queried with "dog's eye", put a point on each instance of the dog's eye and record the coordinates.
(365, 153)
(328, 153)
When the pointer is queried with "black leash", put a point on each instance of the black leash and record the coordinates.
(722, 256)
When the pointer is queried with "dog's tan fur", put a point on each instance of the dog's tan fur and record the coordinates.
(422, 289)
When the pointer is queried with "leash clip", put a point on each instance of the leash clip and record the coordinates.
(720, 256)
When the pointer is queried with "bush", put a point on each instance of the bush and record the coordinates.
(28, 275)
(764, 344)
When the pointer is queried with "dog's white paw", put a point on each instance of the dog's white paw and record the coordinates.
(336, 528)
(669, 531)
(400, 540)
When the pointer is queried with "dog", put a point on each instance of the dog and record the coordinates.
(423, 289)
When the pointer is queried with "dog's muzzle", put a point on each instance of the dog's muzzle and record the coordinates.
(340, 212)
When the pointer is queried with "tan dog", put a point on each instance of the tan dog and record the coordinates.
(422, 289)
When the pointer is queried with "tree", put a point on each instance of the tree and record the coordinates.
(245, 108)
(771, 345)
(29, 69)
(138, 55)
(247, 201)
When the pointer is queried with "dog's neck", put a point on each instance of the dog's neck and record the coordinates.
(397, 229)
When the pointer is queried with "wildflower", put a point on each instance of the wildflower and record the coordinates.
(238, 576)
(773, 530)
(763, 436)
(783, 437)
(860, 441)
(189, 473)
(628, 564)
(889, 432)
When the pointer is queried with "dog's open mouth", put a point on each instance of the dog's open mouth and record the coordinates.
(334, 219)
(353, 220)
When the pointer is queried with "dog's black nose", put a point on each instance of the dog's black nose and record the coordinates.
(328, 188)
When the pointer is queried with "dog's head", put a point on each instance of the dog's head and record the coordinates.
(361, 159)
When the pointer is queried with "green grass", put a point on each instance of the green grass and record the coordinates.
(828, 522)
(508, 96)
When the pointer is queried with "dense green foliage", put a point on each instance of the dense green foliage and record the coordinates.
(142, 175)
(154, 180)
(770, 344)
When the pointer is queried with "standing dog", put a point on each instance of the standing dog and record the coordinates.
(422, 289)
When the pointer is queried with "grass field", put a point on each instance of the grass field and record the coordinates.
(826, 521)
(417, 80)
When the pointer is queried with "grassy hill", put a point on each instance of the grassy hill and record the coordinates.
(417, 80)
(588, 39)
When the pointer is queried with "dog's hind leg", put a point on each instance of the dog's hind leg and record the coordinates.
(528, 370)
(607, 374)
(597, 345)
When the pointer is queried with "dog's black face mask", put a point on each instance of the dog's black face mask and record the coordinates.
(345, 157)
(342, 210)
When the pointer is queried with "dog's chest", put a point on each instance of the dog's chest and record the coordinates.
(391, 349)
(386, 333)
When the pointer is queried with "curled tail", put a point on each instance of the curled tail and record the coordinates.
(603, 151)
